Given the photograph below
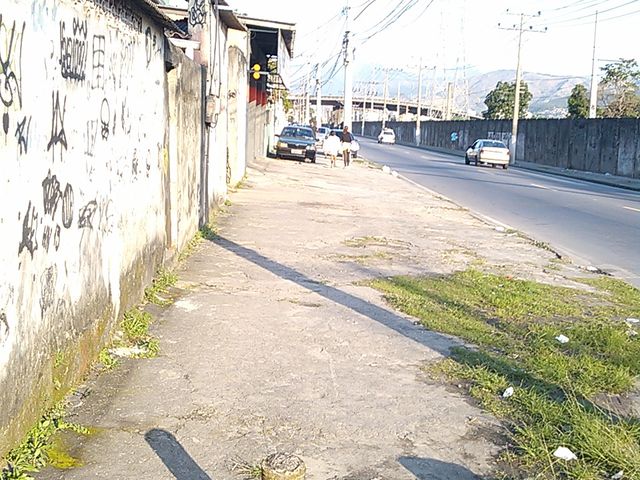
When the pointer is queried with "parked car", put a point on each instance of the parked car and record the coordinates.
(387, 135)
(296, 142)
(491, 152)
(321, 135)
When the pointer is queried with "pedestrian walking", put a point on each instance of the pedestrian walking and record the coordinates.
(347, 138)
(331, 147)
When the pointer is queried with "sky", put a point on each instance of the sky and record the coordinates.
(457, 37)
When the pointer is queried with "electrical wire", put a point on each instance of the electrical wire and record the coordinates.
(561, 21)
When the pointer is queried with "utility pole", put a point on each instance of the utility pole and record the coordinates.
(419, 111)
(307, 104)
(398, 104)
(448, 108)
(364, 108)
(433, 92)
(318, 98)
(384, 101)
(593, 94)
(516, 103)
(348, 93)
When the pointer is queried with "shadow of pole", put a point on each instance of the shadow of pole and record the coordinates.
(174, 456)
(432, 469)
(433, 340)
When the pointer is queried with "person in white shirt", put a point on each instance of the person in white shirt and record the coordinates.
(331, 146)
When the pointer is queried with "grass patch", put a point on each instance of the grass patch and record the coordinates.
(133, 340)
(207, 232)
(135, 327)
(38, 448)
(246, 470)
(513, 324)
(160, 287)
(374, 241)
(108, 361)
(363, 259)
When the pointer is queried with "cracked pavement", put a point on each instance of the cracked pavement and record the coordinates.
(274, 344)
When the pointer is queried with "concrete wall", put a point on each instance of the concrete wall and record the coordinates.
(600, 145)
(91, 196)
(213, 54)
(186, 108)
(237, 98)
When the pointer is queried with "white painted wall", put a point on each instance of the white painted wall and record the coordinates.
(82, 175)
(212, 36)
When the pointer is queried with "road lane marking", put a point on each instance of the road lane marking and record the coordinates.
(631, 208)
(540, 186)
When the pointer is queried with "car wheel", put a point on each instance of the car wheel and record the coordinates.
(505, 166)
(493, 165)
(466, 160)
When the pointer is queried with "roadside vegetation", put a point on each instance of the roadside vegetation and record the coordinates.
(546, 360)
(39, 447)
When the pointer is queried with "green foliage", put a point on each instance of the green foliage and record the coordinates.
(500, 101)
(135, 325)
(578, 102)
(35, 450)
(108, 361)
(618, 90)
(159, 287)
(513, 324)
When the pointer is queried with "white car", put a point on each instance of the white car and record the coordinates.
(491, 152)
(387, 136)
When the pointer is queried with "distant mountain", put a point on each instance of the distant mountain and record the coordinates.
(550, 92)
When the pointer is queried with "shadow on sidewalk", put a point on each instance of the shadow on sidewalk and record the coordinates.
(432, 469)
(433, 340)
(174, 456)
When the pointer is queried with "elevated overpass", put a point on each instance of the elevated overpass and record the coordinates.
(377, 103)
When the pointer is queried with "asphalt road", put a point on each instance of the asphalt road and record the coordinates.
(596, 225)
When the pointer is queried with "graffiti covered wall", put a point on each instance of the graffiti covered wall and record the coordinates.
(83, 172)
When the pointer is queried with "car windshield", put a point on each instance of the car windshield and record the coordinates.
(387, 132)
(493, 143)
(297, 132)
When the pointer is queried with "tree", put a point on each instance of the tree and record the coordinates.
(500, 100)
(578, 102)
(619, 89)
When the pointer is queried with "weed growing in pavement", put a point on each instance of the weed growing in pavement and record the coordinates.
(246, 470)
(374, 241)
(160, 286)
(133, 340)
(37, 448)
(108, 361)
(207, 232)
(514, 324)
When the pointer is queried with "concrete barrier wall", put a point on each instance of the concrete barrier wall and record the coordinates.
(92, 199)
(596, 145)
(186, 109)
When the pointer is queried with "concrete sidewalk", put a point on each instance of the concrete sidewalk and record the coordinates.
(273, 345)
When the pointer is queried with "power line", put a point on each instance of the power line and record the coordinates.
(591, 14)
